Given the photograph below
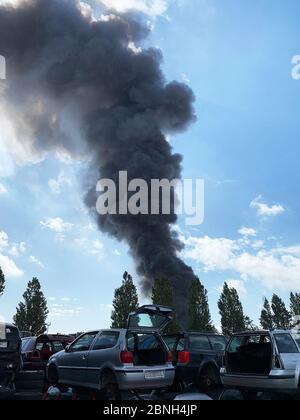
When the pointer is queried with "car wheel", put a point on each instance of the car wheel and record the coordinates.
(208, 378)
(110, 389)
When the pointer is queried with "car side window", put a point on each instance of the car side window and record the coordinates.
(218, 343)
(199, 342)
(106, 340)
(83, 343)
(285, 344)
(57, 346)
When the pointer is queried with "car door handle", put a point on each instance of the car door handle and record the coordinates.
(84, 357)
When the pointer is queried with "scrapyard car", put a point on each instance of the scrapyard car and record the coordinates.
(10, 357)
(36, 351)
(262, 361)
(115, 360)
(197, 357)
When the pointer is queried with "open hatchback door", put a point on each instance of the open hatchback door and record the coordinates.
(152, 318)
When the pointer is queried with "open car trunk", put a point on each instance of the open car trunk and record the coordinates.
(147, 349)
(251, 354)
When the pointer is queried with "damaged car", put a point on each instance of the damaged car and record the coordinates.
(10, 357)
(114, 360)
(262, 361)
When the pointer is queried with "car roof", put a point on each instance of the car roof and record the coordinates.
(254, 332)
(9, 325)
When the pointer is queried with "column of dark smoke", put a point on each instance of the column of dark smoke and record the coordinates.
(67, 70)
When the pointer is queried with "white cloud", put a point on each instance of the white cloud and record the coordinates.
(3, 190)
(9, 267)
(149, 7)
(238, 285)
(56, 224)
(34, 260)
(56, 185)
(275, 268)
(3, 240)
(264, 209)
(97, 249)
(247, 231)
(17, 249)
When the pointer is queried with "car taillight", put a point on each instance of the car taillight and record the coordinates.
(170, 357)
(184, 357)
(126, 357)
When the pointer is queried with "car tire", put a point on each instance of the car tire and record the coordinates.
(209, 378)
(109, 387)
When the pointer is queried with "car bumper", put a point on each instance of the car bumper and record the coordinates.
(277, 380)
(135, 379)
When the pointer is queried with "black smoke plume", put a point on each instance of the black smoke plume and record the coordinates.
(81, 85)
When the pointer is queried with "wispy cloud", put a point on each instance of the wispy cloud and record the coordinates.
(265, 210)
(36, 261)
(3, 189)
(244, 231)
(56, 224)
(57, 184)
(149, 7)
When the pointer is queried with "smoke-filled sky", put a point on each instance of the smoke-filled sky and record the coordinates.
(244, 145)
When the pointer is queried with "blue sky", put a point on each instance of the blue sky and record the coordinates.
(236, 56)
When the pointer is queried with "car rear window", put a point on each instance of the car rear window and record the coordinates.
(218, 343)
(199, 342)
(9, 338)
(285, 344)
(143, 342)
(106, 340)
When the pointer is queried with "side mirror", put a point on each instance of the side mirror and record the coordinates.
(67, 349)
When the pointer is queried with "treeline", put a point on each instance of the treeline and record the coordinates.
(31, 314)
(233, 318)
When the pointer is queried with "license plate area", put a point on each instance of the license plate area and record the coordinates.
(155, 374)
(3, 344)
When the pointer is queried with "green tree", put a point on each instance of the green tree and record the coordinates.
(281, 316)
(199, 317)
(125, 302)
(163, 294)
(32, 313)
(295, 304)
(231, 311)
(266, 317)
(2, 282)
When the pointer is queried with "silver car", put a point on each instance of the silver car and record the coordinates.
(262, 361)
(135, 358)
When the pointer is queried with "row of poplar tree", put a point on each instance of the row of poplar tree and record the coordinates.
(32, 312)
(233, 318)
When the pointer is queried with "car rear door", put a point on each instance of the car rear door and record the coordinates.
(105, 353)
(72, 364)
(151, 318)
(200, 349)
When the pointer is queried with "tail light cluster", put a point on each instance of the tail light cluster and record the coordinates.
(126, 357)
(184, 357)
(170, 357)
